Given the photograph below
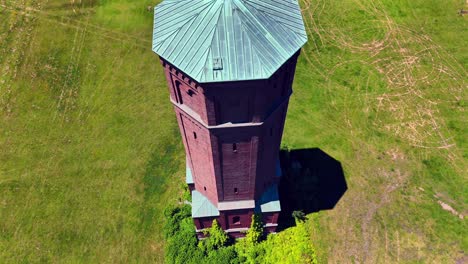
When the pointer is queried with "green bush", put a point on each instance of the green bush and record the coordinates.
(182, 247)
(290, 246)
(255, 233)
(222, 255)
(174, 216)
(216, 238)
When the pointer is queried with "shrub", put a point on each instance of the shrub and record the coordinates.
(290, 246)
(216, 239)
(174, 216)
(255, 232)
(182, 247)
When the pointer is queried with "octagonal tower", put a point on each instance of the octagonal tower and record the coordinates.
(230, 66)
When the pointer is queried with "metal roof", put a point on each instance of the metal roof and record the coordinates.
(228, 40)
(202, 207)
(188, 175)
(269, 202)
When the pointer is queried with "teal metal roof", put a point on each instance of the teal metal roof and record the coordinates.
(188, 175)
(202, 207)
(269, 202)
(228, 40)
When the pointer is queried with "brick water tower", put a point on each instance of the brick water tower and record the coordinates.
(230, 66)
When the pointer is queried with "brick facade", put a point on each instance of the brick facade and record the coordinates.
(232, 133)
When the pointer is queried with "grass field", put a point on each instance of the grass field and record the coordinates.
(90, 152)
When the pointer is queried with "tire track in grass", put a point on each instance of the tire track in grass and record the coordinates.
(398, 59)
(20, 32)
(68, 91)
(68, 21)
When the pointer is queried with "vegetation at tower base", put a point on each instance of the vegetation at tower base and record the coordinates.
(299, 216)
(255, 232)
(216, 239)
(290, 246)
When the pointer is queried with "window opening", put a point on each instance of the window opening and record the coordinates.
(234, 147)
(236, 220)
(179, 95)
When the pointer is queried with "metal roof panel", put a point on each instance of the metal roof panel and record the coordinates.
(202, 207)
(250, 38)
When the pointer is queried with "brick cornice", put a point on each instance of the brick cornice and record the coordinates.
(195, 116)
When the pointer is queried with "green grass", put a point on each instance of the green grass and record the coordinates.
(381, 87)
(90, 151)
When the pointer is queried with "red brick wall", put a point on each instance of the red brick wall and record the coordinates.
(198, 147)
(270, 218)
(186, 91)
(248, 101)
(270, 229)
(270, 141)
(226, 218)
(206, 222)
(236, 169)
(214, 164)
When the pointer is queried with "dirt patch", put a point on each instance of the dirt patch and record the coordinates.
(450, 209)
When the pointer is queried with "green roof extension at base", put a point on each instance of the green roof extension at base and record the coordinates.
(269, 202)
(228, 40)
(202, 207)
(188, 175)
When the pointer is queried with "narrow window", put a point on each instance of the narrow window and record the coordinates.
(204, 188)
(194, 135)
(236, 220)
(236, 191)
(179, 95)
(234, 147)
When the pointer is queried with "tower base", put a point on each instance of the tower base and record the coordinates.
(235, 217)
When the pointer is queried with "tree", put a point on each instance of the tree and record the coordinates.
(255, 232)
(217, 238)
(182, 246)
(222, 255)
(174, 216)
(299, 216)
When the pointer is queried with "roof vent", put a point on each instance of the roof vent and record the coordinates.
(217, 64)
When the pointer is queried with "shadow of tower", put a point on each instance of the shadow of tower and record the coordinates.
(312, 181)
